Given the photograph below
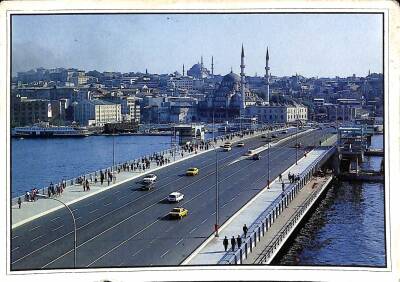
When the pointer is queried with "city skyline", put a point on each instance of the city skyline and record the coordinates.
(298, 43)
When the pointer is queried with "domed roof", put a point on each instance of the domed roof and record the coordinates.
(231, 78)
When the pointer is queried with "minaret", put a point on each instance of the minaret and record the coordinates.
(183, 70)
(267, 77)
(242, 84)
(212, 65)
(201, 62)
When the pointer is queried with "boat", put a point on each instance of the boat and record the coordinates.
(48, 131)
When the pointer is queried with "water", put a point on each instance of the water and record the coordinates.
(37, 162)
(347, 228)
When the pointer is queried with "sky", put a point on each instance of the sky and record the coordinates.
(323, 45)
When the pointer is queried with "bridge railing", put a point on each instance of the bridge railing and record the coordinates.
(262, 224)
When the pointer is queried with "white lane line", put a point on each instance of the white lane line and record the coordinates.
(116, 192)
(108, 204)
(74, 210)
(55, 218)
(123, 197)
(169, 229)
(34, 239)
(79, 217)
(164, 254)
(137, 252)
(191, 231)
(103, 197)
(12, 238)
(224, 205)
(233, 199)
(177, 243)
(14, 249)
(57, 228)
(204, 221)
(93, 210)
(90, 204)
(36, 227)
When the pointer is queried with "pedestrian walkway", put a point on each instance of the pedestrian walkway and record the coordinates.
(212, 250)
(74, 192)
(268, 245)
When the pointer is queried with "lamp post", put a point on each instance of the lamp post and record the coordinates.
(268, 140)
(113, 150)
(297, 144)
(216, 191)
(73, 219)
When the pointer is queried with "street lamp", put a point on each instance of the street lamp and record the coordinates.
(73, 219)
(297, 145)
(268, 140)
(216, 191)
(113, 163)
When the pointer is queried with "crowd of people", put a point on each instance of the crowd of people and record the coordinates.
(235, 241)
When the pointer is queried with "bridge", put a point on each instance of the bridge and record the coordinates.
(121, 225)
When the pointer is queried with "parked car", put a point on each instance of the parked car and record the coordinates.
(178, 213)
(175, 197)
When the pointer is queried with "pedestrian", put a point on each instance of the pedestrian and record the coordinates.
(20, 202)
(239, 241)
(280, 177)
(233, 243)
(245, 229)
(87, 185)
(283, 186)
(225, 243)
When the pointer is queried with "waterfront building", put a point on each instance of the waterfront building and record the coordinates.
(97, 112)
(26, 111)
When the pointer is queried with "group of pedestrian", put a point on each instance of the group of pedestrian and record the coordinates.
(293, 178)
(235, 241)
(56, 190)
(31, 196)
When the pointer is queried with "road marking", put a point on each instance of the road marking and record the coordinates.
(14, 237)
(169, 229)
(15, 249)
(137, 252)
(224, 205)
(55, 218)
(90, 204)
(34, 239)
(179, 242)
(93, 210)
(34, 228)
(103, 197)
(123, 197)
(79, 217)
(164, 254)
(57, 228)
(74, 210)
(204, 221)
(108, 204)
(116, 192)
(191, 231)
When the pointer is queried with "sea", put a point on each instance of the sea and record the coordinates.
(347, 228)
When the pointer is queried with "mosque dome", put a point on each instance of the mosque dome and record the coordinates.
(230, 79)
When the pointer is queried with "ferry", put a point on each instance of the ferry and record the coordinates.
(47, 131)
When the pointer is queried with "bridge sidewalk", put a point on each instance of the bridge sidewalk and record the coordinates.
(312, 187)
(74, 193)
(212, 252)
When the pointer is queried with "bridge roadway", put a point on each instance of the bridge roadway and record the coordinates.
(125, 226)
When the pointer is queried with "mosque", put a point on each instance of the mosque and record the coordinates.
(233, 99)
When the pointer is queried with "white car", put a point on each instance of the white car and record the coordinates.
(227, 148)
(150, 178)
(175, 197)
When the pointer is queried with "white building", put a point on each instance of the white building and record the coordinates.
(97, 112)
(278, 113)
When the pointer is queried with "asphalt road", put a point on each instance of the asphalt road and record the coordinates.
(125, 226)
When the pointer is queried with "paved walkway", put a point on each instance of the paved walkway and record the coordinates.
(212, 251)
(74, 193)
(266, 242)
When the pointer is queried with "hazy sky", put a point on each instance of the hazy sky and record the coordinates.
(309, 44)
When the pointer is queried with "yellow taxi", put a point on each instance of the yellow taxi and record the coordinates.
(178, 213)
(192, 171)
